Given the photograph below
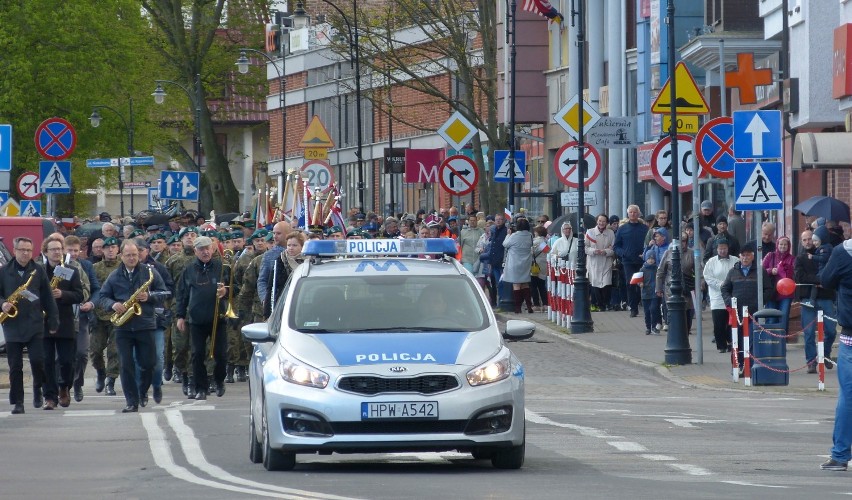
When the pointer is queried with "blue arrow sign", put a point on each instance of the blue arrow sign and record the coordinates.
(102, 162)
(503, 167)
(55, 176)
(30, 208)
(759, 185)
(5, 148)
(757, 134)
(4, 197)
(179, 185)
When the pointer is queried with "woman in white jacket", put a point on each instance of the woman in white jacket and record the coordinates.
(565, 247)
(715, 271)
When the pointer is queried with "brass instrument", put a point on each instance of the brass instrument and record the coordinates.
(54, 281)
(132, 303)
(15, 297)
(216, 306)
(230, 313)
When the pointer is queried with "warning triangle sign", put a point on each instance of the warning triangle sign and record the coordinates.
(55, 179)
(688, 101)
(316, 136)
(758, 189)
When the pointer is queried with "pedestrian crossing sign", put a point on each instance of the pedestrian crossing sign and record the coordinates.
(759, 186)
(30, 208)
(55, 176)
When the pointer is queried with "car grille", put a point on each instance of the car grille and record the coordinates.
(399, 427)
(426, 384)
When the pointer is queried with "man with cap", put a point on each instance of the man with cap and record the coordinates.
(248, 301)
(741, 283)
(157, 245)
(174, 245)
(198, 289)
(722, 233)
(135, 338)
(372, 228)
(239, 350)
(334, 233)
(453, 226)
(179, 357)
(706, 217)
(103, 336)
(104, 217)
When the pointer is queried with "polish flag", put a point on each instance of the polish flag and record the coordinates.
(636, 278)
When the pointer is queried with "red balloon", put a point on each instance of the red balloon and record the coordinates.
(785, 286)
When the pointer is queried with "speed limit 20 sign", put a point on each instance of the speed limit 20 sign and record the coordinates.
(662, 164)
(318, 175)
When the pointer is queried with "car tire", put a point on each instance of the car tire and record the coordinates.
(510, 458)
(255, 446)
(274, 460)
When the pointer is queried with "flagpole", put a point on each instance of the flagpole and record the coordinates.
(512, 57)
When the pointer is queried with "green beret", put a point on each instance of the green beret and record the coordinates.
(268, 236)
(190, 229)
(251, 224)
(333, 229)
(112, 240)
(137, 232)
(173, 239)
(237, 235)
(258, 233)
(158, 236)
(224, 236)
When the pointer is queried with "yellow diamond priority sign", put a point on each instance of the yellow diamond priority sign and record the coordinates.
(568, 117)
(457, 131)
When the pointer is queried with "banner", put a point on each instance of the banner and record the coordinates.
(421, 165)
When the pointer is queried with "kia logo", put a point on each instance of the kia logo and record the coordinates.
(397, 369)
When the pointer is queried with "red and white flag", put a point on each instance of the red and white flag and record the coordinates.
(636, 278)
(543, 8)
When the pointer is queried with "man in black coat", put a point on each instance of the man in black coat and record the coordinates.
(135, 338)
(67, 292)
(198, 288)
(741, 284)
(496, 253)
(34, 308)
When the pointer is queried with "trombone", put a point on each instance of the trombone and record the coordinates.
(229, 312)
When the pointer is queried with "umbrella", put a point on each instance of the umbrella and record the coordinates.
(556, 226)
(826, 207)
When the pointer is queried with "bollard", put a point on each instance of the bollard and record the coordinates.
(569, 294)
(746, 354)
(735, 344)
(821, 350)
(551, 297)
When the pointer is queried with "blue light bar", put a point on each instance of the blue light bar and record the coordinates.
(358, 248)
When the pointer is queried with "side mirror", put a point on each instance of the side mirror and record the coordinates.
(518, 330)
(257, 332)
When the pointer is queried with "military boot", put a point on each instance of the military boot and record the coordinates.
(229, 374)
(241, 374)
(186, 383)
(167, 373)
(109, 388)
(99, 382)
(178, 377)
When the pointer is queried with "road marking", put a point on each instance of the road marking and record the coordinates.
(686, 423)
(746, 483)
(191, 447)
(163, 458)
(582, 430)
(692, 470)
(626, 446)
(658, 458)
(89, 413)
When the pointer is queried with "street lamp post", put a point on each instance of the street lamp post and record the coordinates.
(160, 96)
(355, 58)
(243, 66)
(95, 120)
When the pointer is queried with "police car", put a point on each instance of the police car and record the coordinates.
(380, 346)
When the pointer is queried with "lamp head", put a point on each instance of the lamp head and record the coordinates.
(95, 119)
(159, 94)
(243, 63)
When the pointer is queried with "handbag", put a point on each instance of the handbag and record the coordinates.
(535, 270)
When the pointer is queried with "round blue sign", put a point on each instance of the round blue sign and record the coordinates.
(55, 139)
(714, 147)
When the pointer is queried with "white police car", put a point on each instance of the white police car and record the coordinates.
(373, 348)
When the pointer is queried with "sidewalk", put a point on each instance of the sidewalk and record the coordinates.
(617, 335)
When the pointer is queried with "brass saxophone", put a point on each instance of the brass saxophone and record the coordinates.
(15, 297)
(132, 303)
(54, 281)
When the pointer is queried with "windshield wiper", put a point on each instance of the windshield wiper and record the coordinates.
(314, 330)
(401, 329)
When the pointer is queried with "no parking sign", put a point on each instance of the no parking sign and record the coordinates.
(714, 147)
(55, 139)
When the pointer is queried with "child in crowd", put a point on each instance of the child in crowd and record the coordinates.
(650, 300)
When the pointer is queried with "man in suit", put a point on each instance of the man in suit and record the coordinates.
(34, 309)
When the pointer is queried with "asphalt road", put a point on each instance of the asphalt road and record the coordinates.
(596, 429)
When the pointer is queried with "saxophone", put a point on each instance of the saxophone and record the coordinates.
(54, 281)
(15, 297)
(132, 303)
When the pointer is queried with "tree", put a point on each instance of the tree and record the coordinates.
(409, 42)
(195, 39)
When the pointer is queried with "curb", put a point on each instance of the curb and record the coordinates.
(655, 368)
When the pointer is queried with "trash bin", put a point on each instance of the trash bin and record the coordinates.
(769, 350)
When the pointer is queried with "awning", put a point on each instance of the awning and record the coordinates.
(822, 150)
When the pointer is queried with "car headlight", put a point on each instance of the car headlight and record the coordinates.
(493, 370)
(296, 372)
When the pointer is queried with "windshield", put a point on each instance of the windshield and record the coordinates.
(387, 303)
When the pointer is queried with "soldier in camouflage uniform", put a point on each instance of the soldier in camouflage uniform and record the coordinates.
(157, 247)
(180, 340)
(249, 301)
(103, 336)
(239, 350)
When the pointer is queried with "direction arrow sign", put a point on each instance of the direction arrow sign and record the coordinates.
(759, 186)
(28, 186)
(5, 148)
(179, 185)
(102, 162)
(503, 167)
(55, 139)
(661, 163)
(319, 175)
(3, 197)
(714, 147)
(566, 164)
(55, 176)
(30, 208)
(757, 134)
(458, 175)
